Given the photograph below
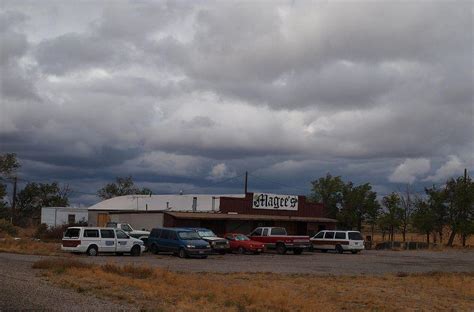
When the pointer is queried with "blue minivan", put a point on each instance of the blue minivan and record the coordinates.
(182, 242)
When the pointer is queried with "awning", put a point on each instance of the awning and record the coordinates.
(226, 216)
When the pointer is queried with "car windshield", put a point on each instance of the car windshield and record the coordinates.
(241, 237)
(126, 228)
(355, 236)
(188, 235)
(206, 233)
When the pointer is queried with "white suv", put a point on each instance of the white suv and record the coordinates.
(338, 240)
(92, 240)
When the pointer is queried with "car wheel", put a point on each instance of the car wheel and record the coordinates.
(154, 249)
(281, 249)
(92, 251)
(241, 250)
(182, 253)
(136, 251)
(339, 249)
(297, 251)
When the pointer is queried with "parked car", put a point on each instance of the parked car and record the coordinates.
(278, 239)
(126, 227)
(95, 240)
(218, 244)
(339, 241)
(241, 243)
(182, 242)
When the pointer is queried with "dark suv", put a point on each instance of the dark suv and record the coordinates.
(182, 242)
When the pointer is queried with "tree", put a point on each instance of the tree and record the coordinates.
(424, 218)
(407, 207)
(8, 164)
(121, 187)
(328, 191)
(393, 213)
(437, 203)
(460, 207)
(34, 196)
(8, 167)
(357, 201)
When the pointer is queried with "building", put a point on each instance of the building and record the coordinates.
(57, 216)
(221, 213)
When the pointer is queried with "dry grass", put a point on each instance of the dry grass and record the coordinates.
(162, 290)
(29, 246)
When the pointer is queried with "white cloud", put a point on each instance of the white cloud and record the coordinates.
(220, 171)
(453, 166)
(409, 170)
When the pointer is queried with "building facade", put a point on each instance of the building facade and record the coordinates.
(220, 213)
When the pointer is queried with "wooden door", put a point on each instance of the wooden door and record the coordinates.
(102, 219)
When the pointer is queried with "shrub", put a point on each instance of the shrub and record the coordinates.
(7, 228)
(54, 233)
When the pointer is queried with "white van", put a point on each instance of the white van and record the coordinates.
(94, 240)
(339, 241)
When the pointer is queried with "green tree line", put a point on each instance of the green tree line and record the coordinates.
(439, 208)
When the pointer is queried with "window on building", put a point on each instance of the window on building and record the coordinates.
(71, 219)
(107, 233)
(91, 233)
(340, 235)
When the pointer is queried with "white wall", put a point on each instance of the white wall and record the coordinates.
(204, 203)
(56, 216)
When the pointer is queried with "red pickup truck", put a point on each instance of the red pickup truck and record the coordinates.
(277, 238)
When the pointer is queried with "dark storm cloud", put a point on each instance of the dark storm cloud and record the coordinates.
(179, 94)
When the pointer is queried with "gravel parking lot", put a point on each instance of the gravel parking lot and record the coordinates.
(367, 262)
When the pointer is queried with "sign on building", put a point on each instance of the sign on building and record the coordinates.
(274, 201)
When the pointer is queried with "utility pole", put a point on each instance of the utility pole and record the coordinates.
(246, 181)
(14, 200)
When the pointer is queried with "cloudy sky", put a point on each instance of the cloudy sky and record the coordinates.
(185, 95)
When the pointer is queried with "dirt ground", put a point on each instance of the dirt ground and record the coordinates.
(373, 280)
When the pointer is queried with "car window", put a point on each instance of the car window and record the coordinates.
(189, 235)
(107, 233)
(329, 235)
(355, 236)
(111, 224)
(278, 231)
(229, 237)
(126, 227)
(173, 235)
(72, 233)
(257, 232)
(155, 233)
(265, 232)
(340, 235)
(121, 234)
(165, 234)
(91, 233)
(319, 235)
